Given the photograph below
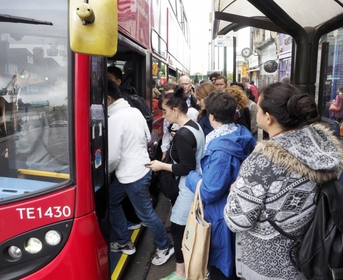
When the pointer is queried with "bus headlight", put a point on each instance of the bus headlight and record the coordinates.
(14, 252)
(33, 245)
(53, 237)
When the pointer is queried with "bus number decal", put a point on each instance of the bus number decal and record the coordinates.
(38, 213)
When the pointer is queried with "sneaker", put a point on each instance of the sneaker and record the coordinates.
(172, 276)
(132, 226)
(128, 248)
(162, 256)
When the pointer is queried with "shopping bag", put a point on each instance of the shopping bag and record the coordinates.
(341, 129)
(196, 240)
(333, 107)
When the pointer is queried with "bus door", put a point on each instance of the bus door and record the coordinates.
(98, 133)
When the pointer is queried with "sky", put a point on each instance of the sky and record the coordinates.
(198, 15)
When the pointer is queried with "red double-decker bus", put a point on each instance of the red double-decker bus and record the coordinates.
(53, 163)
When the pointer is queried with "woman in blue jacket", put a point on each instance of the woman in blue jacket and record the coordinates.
(225, 149)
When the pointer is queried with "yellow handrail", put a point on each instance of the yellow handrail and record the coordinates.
(43, 173)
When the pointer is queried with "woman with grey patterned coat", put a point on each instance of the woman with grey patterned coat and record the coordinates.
(279, 182)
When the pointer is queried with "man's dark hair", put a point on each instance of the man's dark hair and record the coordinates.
(214, 75)
(113, 90)
(116, 71)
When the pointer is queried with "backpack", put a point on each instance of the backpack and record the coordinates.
(130, 95)
(242, 117)
(320, 253)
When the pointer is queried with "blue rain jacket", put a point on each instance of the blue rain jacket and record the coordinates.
(220, 165)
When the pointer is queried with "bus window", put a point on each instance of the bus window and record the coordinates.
(34, 120)
(330, 55)
(159, 72)
(171, 75)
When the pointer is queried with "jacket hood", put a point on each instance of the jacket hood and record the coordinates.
(239, 143)
(312, 151)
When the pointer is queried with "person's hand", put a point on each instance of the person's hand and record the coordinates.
(155, 165)
(232, 186)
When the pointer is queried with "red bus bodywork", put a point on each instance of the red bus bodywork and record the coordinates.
(75, 202)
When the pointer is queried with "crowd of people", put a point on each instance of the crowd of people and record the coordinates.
(211, 135)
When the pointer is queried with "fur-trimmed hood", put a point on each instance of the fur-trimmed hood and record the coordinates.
(312, 151)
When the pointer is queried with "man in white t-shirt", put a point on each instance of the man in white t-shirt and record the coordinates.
(128, 136)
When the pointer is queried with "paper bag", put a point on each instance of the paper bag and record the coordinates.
(196, 240)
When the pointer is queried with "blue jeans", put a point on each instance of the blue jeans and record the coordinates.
(138, 193)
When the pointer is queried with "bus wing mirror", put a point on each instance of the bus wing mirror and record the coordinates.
(93, 27)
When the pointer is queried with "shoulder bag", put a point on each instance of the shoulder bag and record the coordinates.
(169, 184)
(333, 107)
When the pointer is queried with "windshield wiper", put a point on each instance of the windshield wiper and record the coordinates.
(9, 18)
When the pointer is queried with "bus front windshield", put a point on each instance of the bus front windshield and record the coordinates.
(34, 146)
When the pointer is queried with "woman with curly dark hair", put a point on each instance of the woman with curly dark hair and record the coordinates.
(251, 105)
(242, 114)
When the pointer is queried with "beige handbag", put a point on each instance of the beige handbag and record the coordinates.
(196, 240)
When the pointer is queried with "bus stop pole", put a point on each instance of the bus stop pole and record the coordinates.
(225, 71)
(234, 59)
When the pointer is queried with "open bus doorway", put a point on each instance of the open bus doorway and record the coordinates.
(133, 67)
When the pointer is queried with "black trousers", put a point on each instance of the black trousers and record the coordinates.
(177, 234)
(216, 274)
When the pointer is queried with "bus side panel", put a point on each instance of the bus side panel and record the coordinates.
(85, 255)
(30, 214)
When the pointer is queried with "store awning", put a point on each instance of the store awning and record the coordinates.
(284, 16)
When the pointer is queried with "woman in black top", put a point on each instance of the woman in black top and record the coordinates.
(186, 150)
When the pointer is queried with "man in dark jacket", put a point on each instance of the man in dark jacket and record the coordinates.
(186, 83)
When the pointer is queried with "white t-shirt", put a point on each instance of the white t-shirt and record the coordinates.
(128, 137)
